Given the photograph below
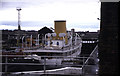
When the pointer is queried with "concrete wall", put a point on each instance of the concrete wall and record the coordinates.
(108, 39)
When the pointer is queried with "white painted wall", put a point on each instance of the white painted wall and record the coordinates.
(61, 43)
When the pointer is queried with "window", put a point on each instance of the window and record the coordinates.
(46, 43)
(57, 43)
(51, 42)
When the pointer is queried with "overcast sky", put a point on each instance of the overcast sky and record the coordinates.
(79, 14)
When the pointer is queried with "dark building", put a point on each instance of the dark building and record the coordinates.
(108, 39)
(42, 33)
(44, 30)
(90, 37)
(9, 37)
(90, 40)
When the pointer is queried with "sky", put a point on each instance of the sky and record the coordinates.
(35, 14)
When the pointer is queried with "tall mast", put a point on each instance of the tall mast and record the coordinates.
(19, 9)
(19, 29)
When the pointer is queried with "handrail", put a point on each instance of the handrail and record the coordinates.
(90, 55)
(44, 63)
(42, 56)
(45, 57)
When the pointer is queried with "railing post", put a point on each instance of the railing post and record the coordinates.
(44, 65)
(83, 67)
(6, 63)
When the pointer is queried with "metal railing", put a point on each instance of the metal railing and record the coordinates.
(71, 61)
(93, 55)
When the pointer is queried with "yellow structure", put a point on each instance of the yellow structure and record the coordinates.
(60, 27)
